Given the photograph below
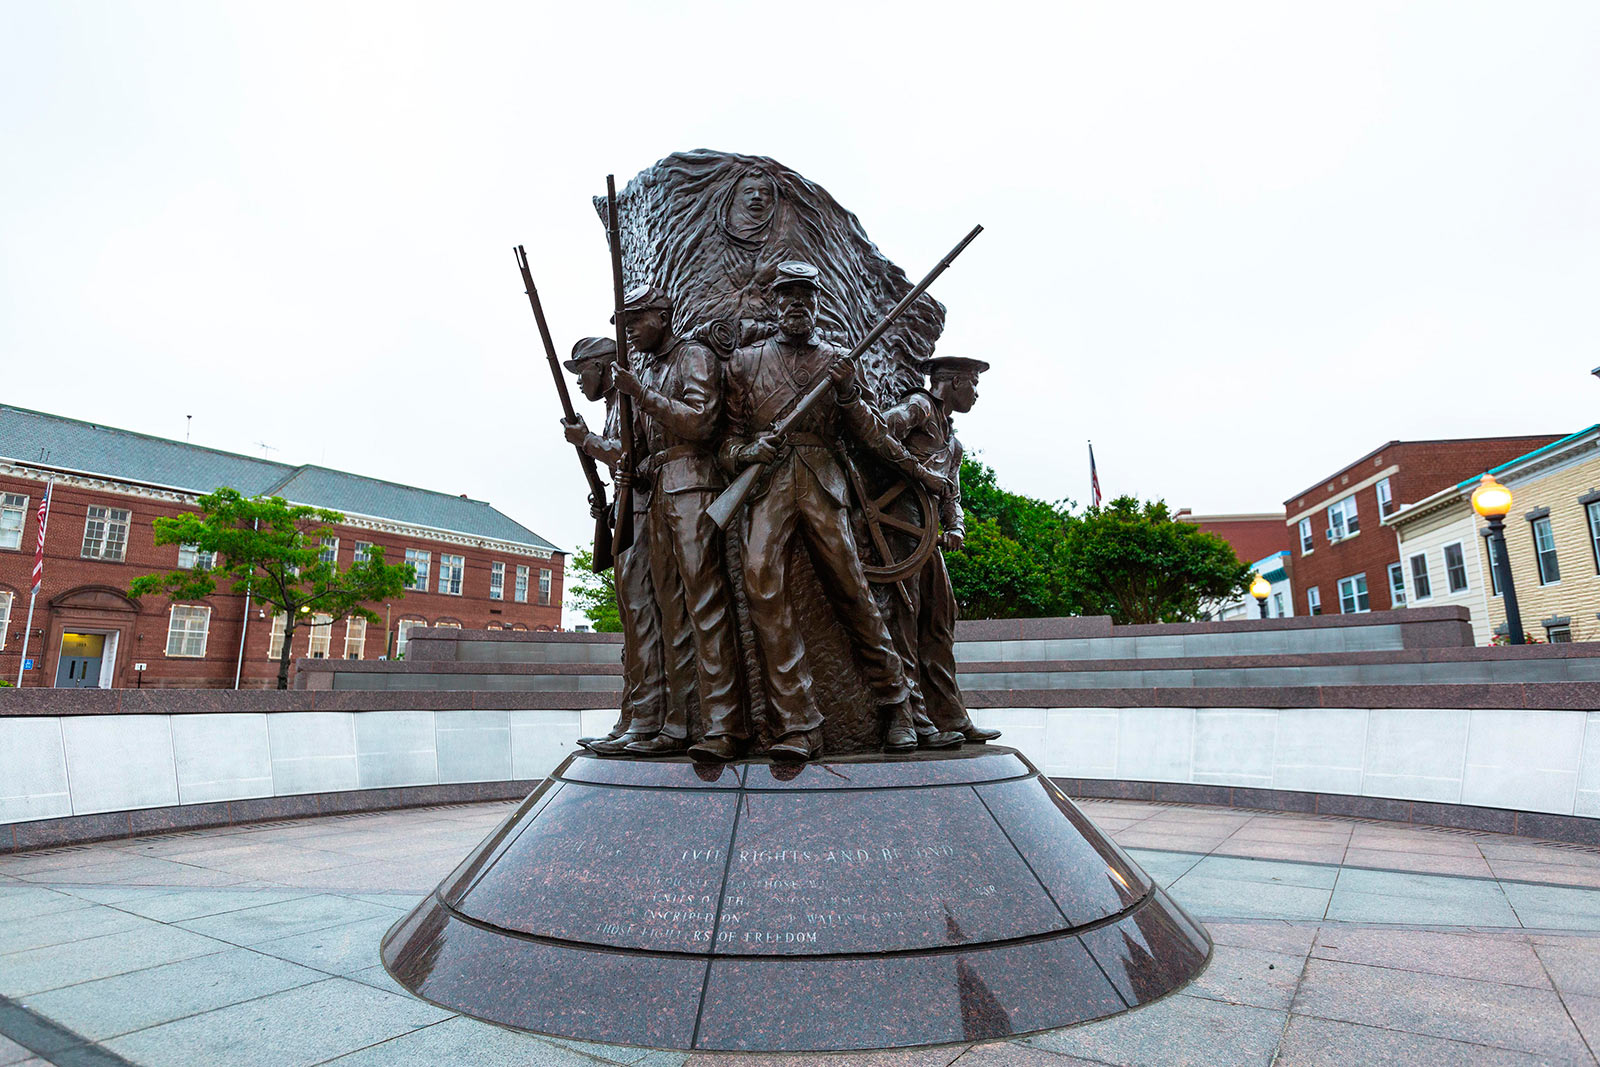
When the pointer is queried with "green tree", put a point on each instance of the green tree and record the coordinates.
(1135, 564)
(272, 550)
(594, 595)
(1013, 564)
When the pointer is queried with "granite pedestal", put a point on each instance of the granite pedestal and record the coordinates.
(844, 904)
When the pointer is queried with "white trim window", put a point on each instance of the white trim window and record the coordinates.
(363, 554)
(1313, 601)
(191, 558)
(497, 580)
(105, 533)
(402, 634)
(330, 551)
(1342, 520)
(5, 617)
(1455, 568)
(520, 592)
(1421, 584)
(321, 636)
(1494, 565)
(452, 570)
(280, 626)
(13, 517)
(544, 585)
(1591, 512)
(1385, 497)
(1305, 537)
(443, 625)
(1277, 603)
(1353, 595)
(1397, 585)
(186, 631)
(421, 562)
(355, 637)
(1544, 550)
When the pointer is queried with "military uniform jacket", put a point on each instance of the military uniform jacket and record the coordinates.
(678, 416)
(765, 381)
(929, 435)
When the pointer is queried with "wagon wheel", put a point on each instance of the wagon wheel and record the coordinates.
(890, 565)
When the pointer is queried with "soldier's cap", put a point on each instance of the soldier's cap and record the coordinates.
(644, 297)
(590, 349)
(797, 272)
(944, 368)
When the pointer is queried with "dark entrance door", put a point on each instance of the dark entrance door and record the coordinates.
(79, 665)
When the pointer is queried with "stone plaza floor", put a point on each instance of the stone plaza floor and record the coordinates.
(1339, 942)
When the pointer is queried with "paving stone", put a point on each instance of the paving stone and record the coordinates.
(1548, 873)
(1487, 1013)
(1251, 976)
(1585, 1011)
(56, 929)
(1226, 898)
(19, 902)
(251, 926)
(1572, 962)
(304, 1025)
(378, 978)
(1012, 1054)
(1419, 899)
(915, 1057)
(1272, 936)
(149, 945)
(1548, 907)
(336, 949)
(1325, 1043)
(1176, 1032)
(1267, 871)
(1165, 867)
(177, 905)
(1309, 852)
(1384, 839)
(467, 1041)
(1508, 960)
(12, 1053)
(1474, 866)
(111, 1006)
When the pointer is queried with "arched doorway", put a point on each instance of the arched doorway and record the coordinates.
(89, 629)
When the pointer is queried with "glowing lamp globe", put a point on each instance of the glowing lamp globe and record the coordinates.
(1491, 499)
(1260, 588)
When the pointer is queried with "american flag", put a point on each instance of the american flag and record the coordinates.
(38, 554)
(1094, 478)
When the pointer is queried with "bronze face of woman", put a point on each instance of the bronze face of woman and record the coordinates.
(751, 206)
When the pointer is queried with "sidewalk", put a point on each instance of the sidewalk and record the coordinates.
(1339, 942)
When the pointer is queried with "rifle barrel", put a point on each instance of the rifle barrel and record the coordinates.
(624, 534)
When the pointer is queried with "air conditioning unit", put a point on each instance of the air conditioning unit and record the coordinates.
(1333, 535)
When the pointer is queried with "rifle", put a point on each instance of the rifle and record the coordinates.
(624, 535)
(597, 489)
(722, 509)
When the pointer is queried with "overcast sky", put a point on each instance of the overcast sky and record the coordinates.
(1235, 245)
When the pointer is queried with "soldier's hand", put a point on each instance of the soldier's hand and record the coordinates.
(577, 431)
(932, 481)
(622, 478)
(843, 373)
(951, 540)
(626, 381)
(763, 449)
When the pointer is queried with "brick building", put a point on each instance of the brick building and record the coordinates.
(1344, 561)
(476, 568)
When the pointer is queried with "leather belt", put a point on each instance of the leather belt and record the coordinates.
(656, 460)
(807, 440)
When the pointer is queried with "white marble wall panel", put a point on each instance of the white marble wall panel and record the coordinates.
(1588, 798)
(221, 757)
(1080, 743)
(1021, 728)
(1523, 759)
(1415, 754)
(312, 751)
(1234, 746)
(395, 748)
(593, 722)
(33, 770)
(1155, 744)
(474, 746)
(1320, 750)
(542, 739)
(118, 762)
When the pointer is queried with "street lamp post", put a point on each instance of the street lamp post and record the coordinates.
(1261, 589)
(1492, 501)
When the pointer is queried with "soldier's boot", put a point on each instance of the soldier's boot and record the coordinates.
(901, 734)
(714, 750)
(659, 745)
(614, 746)
(940, 739)
(979, 734)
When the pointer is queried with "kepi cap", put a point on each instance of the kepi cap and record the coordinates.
(946, 367)
(590, 349)
(644, 298)
(797, 272)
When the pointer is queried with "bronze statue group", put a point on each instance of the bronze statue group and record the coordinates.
(824, 560)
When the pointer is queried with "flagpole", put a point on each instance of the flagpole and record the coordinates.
(38, 579)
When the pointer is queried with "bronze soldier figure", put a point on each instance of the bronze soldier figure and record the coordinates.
(925, 628)
(677, 390)
(644, 687)
(805, 495)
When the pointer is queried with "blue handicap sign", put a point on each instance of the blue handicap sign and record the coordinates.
(27, 664)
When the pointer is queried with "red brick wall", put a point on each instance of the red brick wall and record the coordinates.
(144, 632)
(1423, 468)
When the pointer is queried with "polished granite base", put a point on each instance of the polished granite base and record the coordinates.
(859, 903)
